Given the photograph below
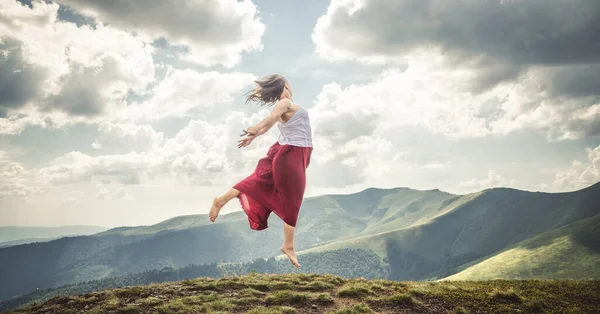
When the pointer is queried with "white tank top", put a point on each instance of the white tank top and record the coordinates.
(296, 131)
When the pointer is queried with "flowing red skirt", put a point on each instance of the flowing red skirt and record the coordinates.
(276, 185)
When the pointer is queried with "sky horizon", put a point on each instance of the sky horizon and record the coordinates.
(114, 114)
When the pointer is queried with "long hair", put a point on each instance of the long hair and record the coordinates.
(268, 91)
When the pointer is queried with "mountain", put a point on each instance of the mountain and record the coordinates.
(472, 227)
(185, 240)
(25, 241)
(417, 235)
(571, 251)
(328, 218)
(314, 293)
(34, 234)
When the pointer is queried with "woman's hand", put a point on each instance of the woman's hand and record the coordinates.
(246, 141)
(251, 131)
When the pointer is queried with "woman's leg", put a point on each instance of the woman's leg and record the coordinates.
(288, 244)
(290, 180)
(219, 202)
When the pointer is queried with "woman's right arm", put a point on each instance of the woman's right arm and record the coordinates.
(265, 125)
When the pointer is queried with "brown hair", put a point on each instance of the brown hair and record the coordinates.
(268, 91)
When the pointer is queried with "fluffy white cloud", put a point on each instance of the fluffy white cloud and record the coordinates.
(428, 94)
(127, 137)
(202, 153)
(580, 175)
(359, 128)
(494, 179)
(73, 73)
(189, 93)
(214, 31)
(76, 167)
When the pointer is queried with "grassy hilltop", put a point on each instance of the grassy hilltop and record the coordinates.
(304, 293)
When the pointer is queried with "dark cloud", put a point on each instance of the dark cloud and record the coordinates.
(77, 97)
(176, 18)
(81, 90)
(501, 39)
(493, 73)
(574, 81)
(519, 31)
(208, 27)
(577, 126)
(20, 82)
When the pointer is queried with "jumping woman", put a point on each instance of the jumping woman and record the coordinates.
(279, 180)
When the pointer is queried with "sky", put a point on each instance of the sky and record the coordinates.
(126, 113)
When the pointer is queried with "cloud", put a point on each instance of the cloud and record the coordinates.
(504, 65)
(16, 180)
(431, 97)
(201, 153)
(73, 73)
(127, 137)
(360, 129)
(434, 166)
(213, 31)
(79, 167)
(189, 93)
(72, 197)
(580, 175)
(519, 31)
(87, 74)
(349, 130)
(21, 82)
(119, 194)
(494, 179)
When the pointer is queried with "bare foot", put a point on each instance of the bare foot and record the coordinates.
(291, 254)
(215, 208)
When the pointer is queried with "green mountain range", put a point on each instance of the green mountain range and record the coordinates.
(417, 235)
(568, 252)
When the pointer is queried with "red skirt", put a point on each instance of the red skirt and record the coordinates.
(276, 185)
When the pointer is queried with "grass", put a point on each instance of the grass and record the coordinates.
(397, 299)
(300, 293)
(273, 310)
(287, 297)
(355, 289)
(355, 309)
(460, 310)
(509, 296)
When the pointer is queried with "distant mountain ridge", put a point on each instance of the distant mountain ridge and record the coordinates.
(11, 233)
(15, 235)
(417, 234)
(26, 241)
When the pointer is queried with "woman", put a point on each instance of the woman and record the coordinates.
(279, 180)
